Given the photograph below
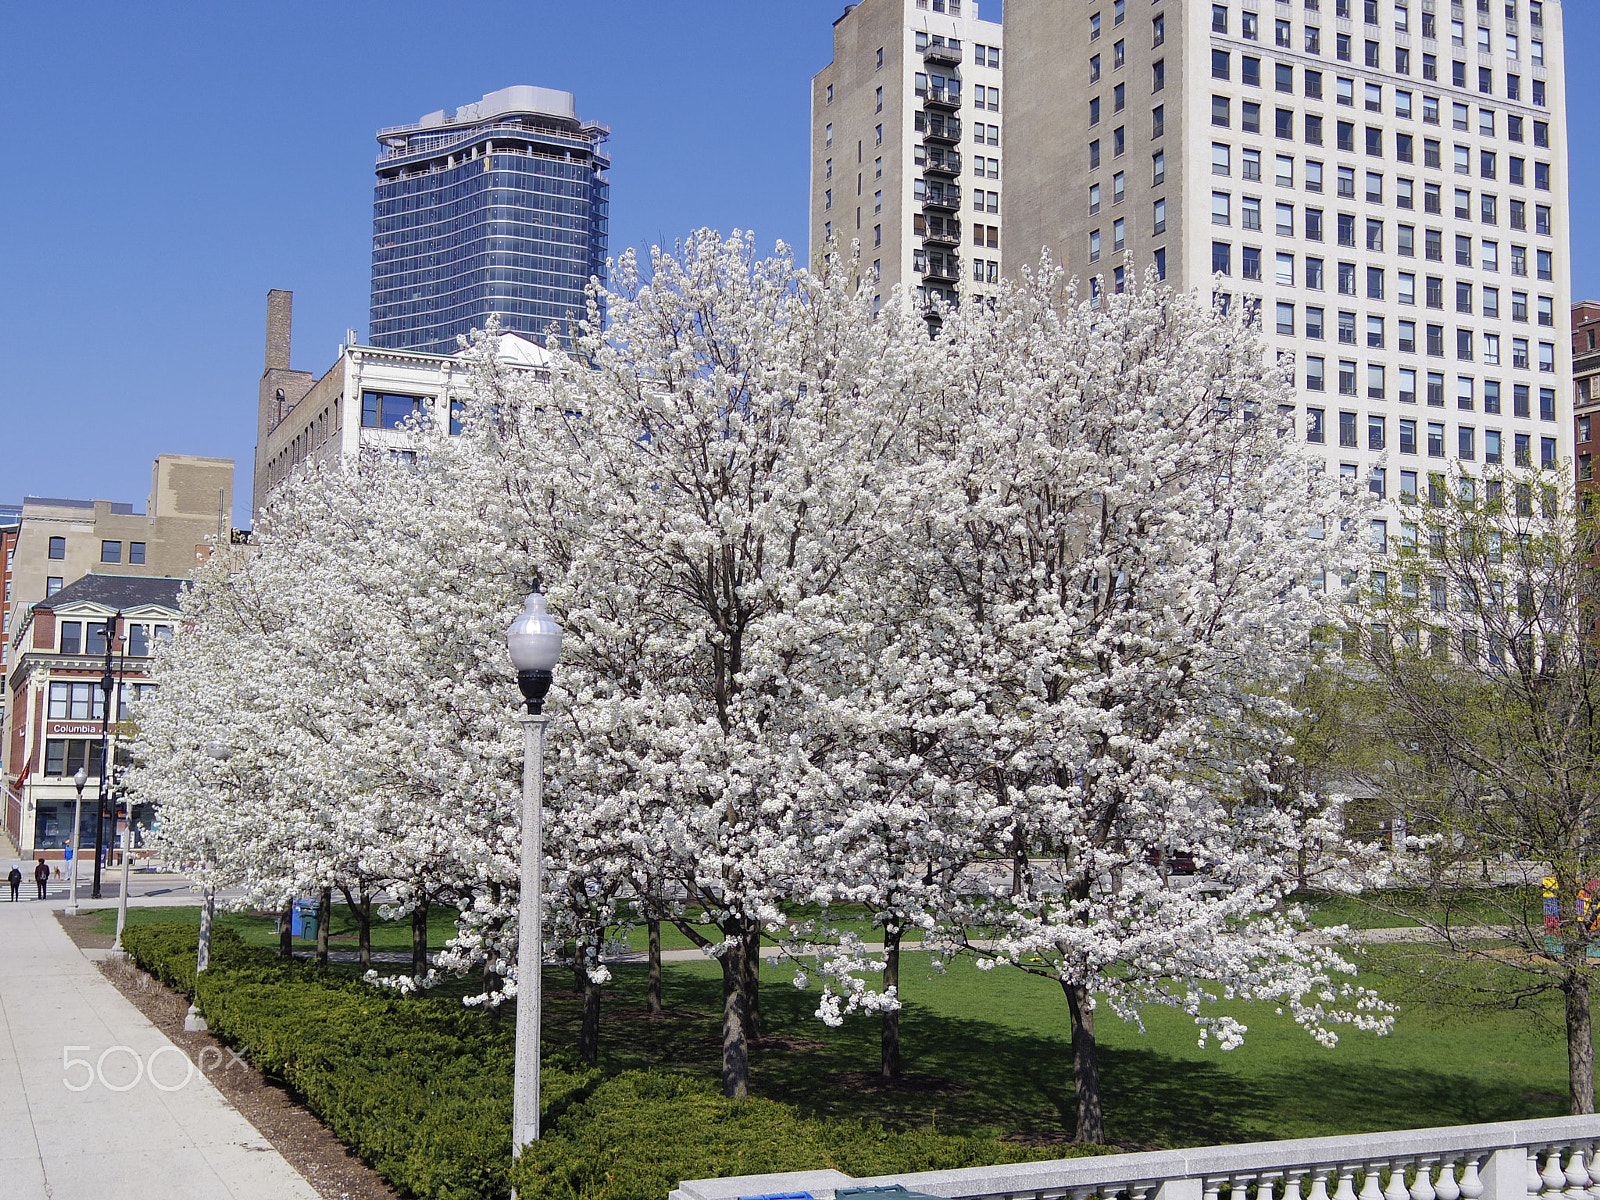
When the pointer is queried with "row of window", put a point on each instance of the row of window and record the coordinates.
(1346, 275)
(110, 551)
(1372, 51)
(1312, 179)
(1407, 379)
(1516, 126)
(1488, 161)
(1250, 22)
(1495, 445)
(85, 701)
(78, 637)
(1347, 231)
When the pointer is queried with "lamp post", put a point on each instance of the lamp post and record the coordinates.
(108, 682)
(534, 640)
(79, 779)
(127, 828)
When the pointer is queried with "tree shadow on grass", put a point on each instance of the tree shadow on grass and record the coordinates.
(1014, 1082)
(1008, 1082)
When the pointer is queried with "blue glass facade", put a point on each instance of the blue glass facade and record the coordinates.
(505, 216)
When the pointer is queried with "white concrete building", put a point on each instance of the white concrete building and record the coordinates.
(1385, 179)
(360, 403)
(906, 147)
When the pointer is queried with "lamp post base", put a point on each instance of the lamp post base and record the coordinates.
(193, 1022)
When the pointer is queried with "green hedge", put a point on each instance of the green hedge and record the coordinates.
(641, 1133)
(420, 1088)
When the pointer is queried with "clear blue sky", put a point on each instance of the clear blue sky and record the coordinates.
(166, 164)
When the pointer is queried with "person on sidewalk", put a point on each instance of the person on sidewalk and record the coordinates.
(41, 876)
(15, 880)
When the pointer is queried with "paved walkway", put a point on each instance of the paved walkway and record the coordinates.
(103, 1126)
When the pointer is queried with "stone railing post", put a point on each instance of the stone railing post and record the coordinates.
(1181, 1189)
(1505, 1175)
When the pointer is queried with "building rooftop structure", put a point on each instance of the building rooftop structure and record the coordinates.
(360, 404)
(499, 208)
(118, 592)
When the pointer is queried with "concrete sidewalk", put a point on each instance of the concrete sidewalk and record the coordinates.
(95, 1101)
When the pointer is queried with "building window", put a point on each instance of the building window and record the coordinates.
(71, 637)
(136, 552)
(110, 552)
(58, 547)
(383, 410)
(52, 585)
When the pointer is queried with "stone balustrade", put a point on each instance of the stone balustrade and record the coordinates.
(1509, 1160)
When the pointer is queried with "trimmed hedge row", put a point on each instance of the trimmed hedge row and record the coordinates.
(421, 1088)
(641, 1133)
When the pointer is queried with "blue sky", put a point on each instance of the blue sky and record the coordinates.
(167, 164)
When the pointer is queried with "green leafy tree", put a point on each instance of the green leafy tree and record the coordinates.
(1475, 627)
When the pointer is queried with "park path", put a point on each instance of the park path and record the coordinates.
(124, 1135)
(1402, 934)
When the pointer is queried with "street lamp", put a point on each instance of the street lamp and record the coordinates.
(79, 779)
(534, 640)
(108, 683)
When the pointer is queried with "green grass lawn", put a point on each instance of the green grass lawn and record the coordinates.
(261, 929)
(1000, 1041)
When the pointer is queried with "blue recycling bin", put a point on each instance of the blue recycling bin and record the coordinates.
(303, 919)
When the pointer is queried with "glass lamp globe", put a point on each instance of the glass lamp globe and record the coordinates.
(534, 640)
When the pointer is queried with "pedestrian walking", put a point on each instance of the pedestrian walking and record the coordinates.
(15, 880)
(41, 876)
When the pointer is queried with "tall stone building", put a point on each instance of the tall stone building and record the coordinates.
(906, 148)
(1384, 181)
(500, 208)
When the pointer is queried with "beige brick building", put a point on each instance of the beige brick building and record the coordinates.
(359, 405)
(906, 147)
(1383, 181)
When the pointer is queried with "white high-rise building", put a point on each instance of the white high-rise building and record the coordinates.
(1385, 179)
(906, 147)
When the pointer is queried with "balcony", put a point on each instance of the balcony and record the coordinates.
(1543, 1159)
(945, 199)
(944, 162)
(943, 268)
(946, 234)
(944, 129)
(942, 98)
(944, 56)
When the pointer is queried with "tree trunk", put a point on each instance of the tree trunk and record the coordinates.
(589, 1034)
(1580, 1045)
(492, 982)
(750, 967)
(208, 914)
(362, 908)
(735, 1047)
(419, 939)
(364, 930)
(889, 1059)
(1085, 1068)
(285, 931)
(1019, 858)
(653, 990)
(324, 919)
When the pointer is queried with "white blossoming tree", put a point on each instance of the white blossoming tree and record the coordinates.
(1119, 518)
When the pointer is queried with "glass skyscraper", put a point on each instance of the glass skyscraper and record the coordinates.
(500, 209)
